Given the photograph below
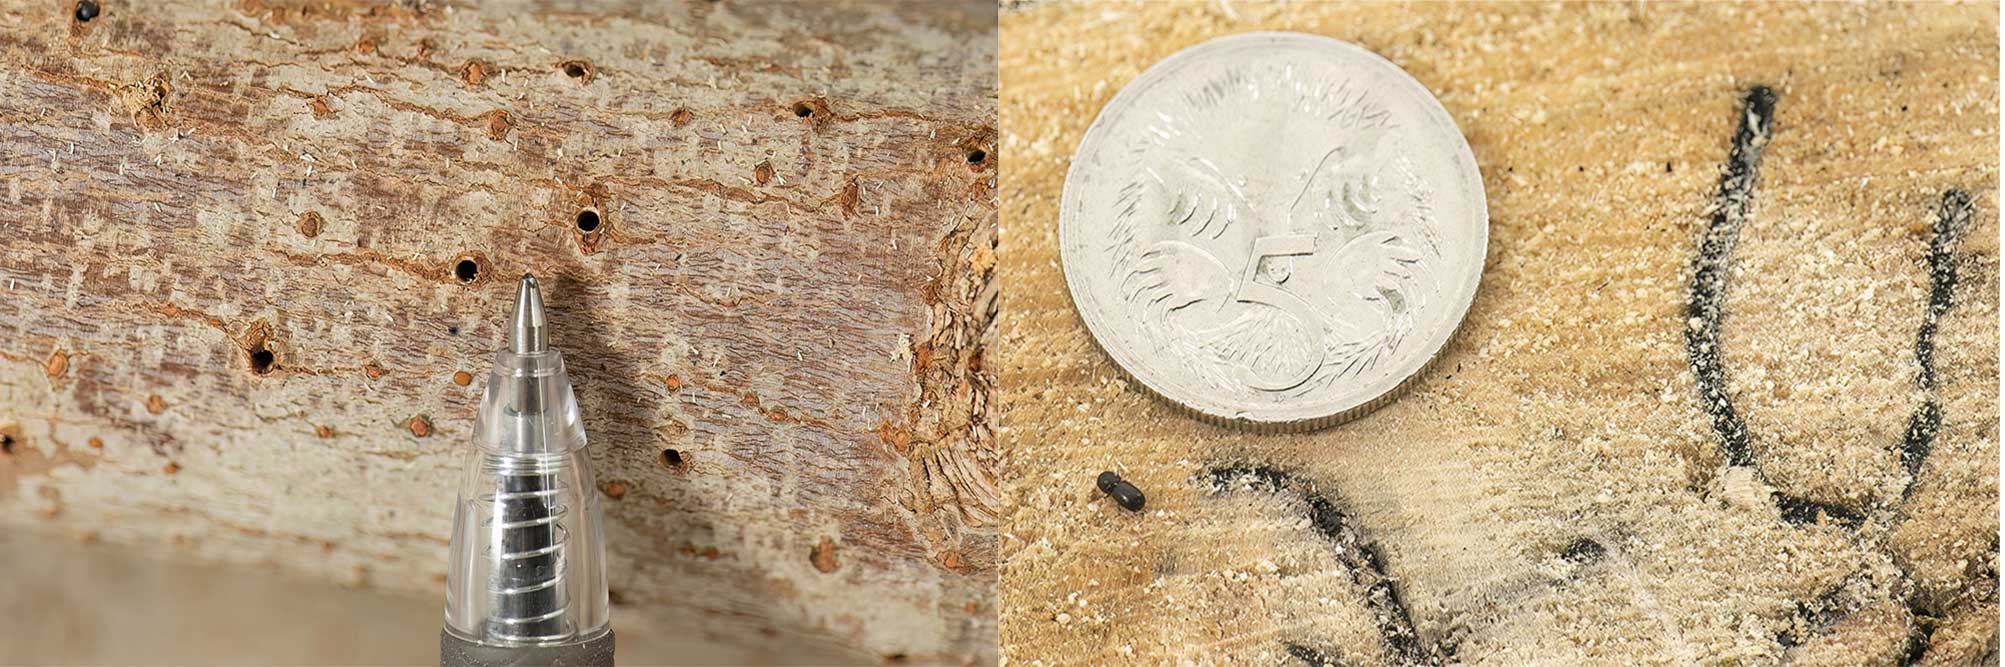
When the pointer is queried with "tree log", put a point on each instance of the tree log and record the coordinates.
(1562, 489)
(257, 257)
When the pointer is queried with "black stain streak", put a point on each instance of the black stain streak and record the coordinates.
(1583, 551)
(1922, 426)
(1705, 312)
(1311, 656)
(1801, 511)
(1920, 637)
(1813, 617)
(1952, 220)
(1710, 270)
(1707, 308)
(1359, 556)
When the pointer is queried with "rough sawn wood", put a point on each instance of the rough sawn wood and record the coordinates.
(251, 248)
(1555, 491)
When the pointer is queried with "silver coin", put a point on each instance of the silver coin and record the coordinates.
(1275, 230)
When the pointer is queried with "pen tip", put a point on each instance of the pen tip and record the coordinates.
(528, 334)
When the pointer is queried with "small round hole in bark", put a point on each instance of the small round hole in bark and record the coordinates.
(466, 270)
(672, 459)
(576, 70)
(7, 444)
(262, 360)
(588, 221)
(977, 156)
(802, 109)
(86, 10)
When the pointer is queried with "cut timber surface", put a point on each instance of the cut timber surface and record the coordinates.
(257, 256)
(1558, 490)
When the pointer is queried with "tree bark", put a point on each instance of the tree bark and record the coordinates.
(258, 255)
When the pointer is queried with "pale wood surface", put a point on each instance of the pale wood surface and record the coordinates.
(1552, 493)
(231, 320)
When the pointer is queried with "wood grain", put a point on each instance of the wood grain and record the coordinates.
(250, 246)
(1553, 492)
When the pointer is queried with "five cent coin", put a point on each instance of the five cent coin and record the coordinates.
(1274, 230)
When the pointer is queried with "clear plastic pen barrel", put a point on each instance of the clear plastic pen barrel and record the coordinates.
(528, 563)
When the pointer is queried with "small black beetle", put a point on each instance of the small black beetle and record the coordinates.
(1123, 493)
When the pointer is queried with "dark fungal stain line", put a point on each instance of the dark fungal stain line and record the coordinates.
(1919, 439)
(1814, 616)
(1919, 637)
(1952, 221)
(1311, 656)
(1928, 614)
(1583, 551)
(1710, 270)
(1802, 511)
(1705, 313)
(1730, 209)
(1359, 556)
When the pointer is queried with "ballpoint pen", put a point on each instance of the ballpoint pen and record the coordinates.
(527, 584)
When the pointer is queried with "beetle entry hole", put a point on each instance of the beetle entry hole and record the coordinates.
(262, 360)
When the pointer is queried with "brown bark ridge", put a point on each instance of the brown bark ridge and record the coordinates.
(249, 246)
(1727, 394)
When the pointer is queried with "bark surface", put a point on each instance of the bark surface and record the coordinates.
(257, 256)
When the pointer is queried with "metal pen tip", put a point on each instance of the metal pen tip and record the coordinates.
(528, 335)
